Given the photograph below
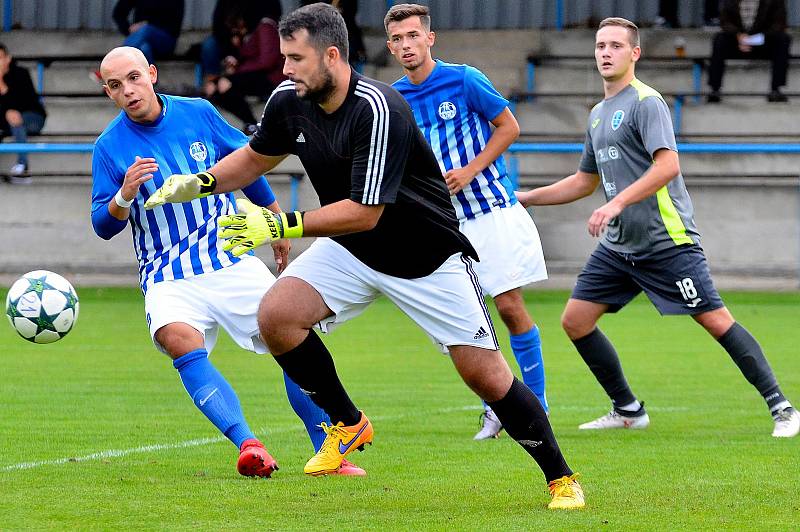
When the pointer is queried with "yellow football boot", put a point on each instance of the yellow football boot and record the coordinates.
(567, 493)
(339, 442)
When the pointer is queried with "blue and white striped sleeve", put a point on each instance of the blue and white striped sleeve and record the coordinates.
(482, 95)
(105, 184)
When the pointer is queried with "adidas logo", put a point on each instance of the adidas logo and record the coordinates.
(300, 138)
(480, 334)
(529, 443)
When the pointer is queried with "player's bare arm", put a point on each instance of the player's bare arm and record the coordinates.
(571, 188)
(664, 169)
(140, 171)
(242, 167)
(505, 133)
(253, 226)
(341, 218)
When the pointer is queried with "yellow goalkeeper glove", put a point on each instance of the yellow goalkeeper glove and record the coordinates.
(179, 188)
(256, 225)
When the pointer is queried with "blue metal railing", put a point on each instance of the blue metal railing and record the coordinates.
(683, 147)
(8, 18)
(50, 147)
(513, 151)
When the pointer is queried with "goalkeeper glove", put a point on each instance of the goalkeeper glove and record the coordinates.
(179, 188)
(256, 225)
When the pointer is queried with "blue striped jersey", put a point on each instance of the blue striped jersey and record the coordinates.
(454, 107)
(175, 241)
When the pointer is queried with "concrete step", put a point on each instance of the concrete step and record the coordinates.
(579, 76)
(746, 115)
(66, 115)
(75, 76)
(34, 42)
(654, 41)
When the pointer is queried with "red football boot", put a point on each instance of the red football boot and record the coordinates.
(254, 460)
(349, 469)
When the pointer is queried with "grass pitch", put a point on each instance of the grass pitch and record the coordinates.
(96, 431)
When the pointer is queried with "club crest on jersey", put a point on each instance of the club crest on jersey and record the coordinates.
(198, 151)
(447, 110)
(616, 119)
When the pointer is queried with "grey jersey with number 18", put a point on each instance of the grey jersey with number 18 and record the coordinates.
(623, 134)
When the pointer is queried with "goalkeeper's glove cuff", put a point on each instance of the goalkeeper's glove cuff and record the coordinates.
(291, 224)
(207, 183)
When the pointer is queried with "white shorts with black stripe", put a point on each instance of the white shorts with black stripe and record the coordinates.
(447, 304)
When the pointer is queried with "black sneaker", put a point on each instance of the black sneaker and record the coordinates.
(776, 96)
(714, 97)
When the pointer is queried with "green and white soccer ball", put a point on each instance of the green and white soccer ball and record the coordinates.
(42, 306)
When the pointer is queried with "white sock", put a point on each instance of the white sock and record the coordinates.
(631, 407)
(780, 406)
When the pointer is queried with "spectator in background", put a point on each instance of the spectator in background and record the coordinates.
(751, 29)
(218, 45)
(711, 14)
(349, 8)
(254, 69)
(21, 112)
(155, 28)
(667, 14)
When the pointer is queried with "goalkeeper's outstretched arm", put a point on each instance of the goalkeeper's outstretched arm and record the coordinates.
(237, 170)
(241, 168)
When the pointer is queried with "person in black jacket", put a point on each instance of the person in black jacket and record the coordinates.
(21, 112)
(155, 28)
(751, 29)
(219, 44)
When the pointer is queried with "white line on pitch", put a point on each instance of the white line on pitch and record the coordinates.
(116, 453)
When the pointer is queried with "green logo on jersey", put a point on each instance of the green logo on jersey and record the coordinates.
(595, 122)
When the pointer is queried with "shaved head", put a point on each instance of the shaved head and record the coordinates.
(123, 52)
(128, 79)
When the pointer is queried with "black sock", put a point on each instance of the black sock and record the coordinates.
(747, 354)
(524, 419)
(601, 357)
(311, 366)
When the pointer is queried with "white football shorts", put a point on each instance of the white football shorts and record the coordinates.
(226, 298)
(447, 304)
(508, 245)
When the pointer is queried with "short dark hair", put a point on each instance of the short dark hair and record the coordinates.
(403, 11)
(3, 48)
(633, 29)
(324, 24)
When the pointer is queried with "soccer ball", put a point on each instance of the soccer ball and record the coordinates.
(42, 306)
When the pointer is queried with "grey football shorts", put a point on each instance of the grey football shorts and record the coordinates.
(677, 280)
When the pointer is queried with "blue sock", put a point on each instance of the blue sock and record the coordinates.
(212, 394)
(527, 349)
(308, 411)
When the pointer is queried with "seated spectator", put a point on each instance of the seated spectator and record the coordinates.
(21, 112)
(711, 14)
(218, 45)
(254, 69)
(751, 29)
(155, 28)
(357, 54)
(667, 14)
